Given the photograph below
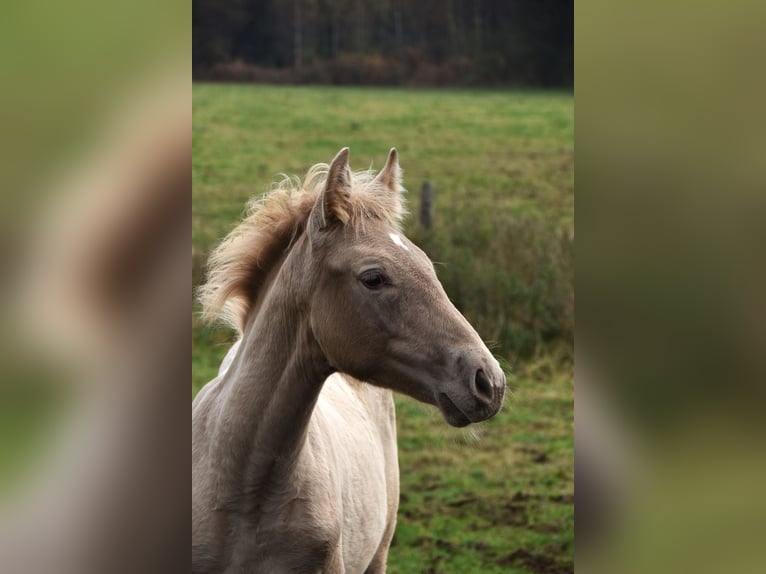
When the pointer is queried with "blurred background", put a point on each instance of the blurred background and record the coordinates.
(477, 97)
(95, 201)
(671, 197)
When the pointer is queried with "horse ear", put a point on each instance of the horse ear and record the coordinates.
(391, 175)
(331, 204)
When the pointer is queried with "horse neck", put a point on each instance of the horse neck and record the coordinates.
(269, 393)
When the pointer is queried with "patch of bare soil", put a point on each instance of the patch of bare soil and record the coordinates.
(536, 563)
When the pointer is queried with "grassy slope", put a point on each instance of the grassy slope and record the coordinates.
(497, 498)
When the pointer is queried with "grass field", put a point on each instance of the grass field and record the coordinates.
(497, 497)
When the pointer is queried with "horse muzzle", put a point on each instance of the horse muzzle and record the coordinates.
(477, 400)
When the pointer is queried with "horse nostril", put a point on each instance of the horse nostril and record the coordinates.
(483, 387)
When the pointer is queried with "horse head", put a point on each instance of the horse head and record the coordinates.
(377, 308)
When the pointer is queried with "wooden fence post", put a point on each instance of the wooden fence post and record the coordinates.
(427, 205)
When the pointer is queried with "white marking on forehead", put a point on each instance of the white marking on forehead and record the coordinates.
(398, 240)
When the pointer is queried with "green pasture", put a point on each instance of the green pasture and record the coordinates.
(497, 497)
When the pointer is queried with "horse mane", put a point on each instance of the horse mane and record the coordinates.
(238, 267)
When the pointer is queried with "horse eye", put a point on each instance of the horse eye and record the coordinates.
(373, 279)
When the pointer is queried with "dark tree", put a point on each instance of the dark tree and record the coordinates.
(495, 42)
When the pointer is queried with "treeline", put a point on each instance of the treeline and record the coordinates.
(398, 42)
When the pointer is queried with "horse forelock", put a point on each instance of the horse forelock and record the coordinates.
(238, 267)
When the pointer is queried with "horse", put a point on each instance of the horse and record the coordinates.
(294, 457)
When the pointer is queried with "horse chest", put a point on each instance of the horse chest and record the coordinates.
(350, 453)
(328, 518)
(332, 511)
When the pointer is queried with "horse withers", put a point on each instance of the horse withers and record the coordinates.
(294, 460)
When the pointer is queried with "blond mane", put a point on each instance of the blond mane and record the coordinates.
(238, 267)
